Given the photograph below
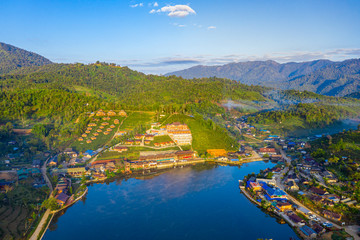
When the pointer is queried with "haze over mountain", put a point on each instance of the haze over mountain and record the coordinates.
(320, 76)
(12, 58)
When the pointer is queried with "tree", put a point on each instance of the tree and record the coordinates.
(50, 204)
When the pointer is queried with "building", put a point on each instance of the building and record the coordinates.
(179, 133)
(283, 206)
(217, 152)
(273, 193)
(111, 113)
(100, 113)
(317, 191)
(149, 137)
(254, 186)
(62, 198)
(269, 151)
(309, 232)
(120, 149)
(89, 153)
(296, 219)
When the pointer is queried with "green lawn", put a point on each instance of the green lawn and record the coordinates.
(204, 137)
(159, 139)
(136, 119)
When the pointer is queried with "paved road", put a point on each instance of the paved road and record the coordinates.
(40, 225)
(43, 171)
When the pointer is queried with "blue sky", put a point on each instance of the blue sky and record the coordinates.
(162, 36)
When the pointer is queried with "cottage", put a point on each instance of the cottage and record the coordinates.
(149, 137)
(116, 121)
(100, 113)
(138, 136)
(296, 219)
(122, 113)
(89, 153)
(111, 113)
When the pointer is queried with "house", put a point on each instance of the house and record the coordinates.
(62, 198)
(147, 141)
(317, 228)
(309, 232)
(76, 172)
(283, 206)
(138, 141)
(217, 152)
(332, 215)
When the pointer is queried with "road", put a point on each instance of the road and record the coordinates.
(47, 212)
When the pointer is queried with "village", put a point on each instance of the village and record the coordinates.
(298, 189)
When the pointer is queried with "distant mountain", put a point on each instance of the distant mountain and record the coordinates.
(320, 76)
(12, 58)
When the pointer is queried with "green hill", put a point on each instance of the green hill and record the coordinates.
(12, 58)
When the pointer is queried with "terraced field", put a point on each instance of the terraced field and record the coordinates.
(12, 222)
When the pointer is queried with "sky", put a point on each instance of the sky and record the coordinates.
(158, 37)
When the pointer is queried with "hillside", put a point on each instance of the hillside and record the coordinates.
(12, 58)
(320, 76)
(133, 89)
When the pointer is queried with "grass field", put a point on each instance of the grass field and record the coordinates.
(136, 119)
(101, 139)
(159, 139)
(204, 137)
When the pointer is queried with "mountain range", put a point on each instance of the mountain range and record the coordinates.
(320, 76)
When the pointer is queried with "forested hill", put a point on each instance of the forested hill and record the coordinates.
(320, 76)
(12, 58)
(129, 87)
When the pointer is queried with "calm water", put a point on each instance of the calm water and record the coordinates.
(199, 202)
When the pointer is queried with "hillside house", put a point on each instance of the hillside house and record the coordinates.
(122, 113)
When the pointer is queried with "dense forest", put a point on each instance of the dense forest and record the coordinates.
(314, 115)
(131, 88)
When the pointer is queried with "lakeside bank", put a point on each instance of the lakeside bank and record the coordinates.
(184, 201)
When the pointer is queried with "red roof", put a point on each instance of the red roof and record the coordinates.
(272, 150)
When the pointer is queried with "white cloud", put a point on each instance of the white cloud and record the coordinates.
(137, 5)
(211, 27)
(175, 11)
(156, 4)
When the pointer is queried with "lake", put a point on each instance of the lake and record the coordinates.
(197, 202)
